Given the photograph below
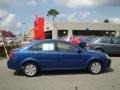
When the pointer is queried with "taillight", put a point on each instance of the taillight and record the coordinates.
(11, 53)
(88, 44)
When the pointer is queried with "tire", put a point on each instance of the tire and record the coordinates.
(99, 50)
(95, 67)
(30, 69)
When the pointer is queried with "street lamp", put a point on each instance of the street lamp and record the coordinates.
(23, 32)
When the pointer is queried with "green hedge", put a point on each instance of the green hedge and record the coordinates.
(2, 50)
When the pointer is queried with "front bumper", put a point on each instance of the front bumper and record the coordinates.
(107, 63)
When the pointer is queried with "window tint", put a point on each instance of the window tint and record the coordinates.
(66, 47)
(37, 47)
(43, 47)
(115, 40)
(106, 40)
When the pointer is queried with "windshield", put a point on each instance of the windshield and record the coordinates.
(89, 38)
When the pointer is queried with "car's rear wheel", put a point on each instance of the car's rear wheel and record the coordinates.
(30, 69)
(95, 67)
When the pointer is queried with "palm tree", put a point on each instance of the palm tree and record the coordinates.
(53, 13)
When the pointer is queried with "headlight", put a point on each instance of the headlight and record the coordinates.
(107, 56)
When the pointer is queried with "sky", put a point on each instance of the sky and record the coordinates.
(18, 15)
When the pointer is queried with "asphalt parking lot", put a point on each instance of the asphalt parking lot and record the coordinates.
(61, 80)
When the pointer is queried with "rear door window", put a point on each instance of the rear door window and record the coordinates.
(63, 47)
(115, 40)
(43, 47)
(106, 40)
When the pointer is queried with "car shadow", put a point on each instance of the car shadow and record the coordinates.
(65, 72)
(108, 71)
(114, 55)
(62, 72)
(18, 73)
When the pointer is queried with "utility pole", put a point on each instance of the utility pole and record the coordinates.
(23, 30)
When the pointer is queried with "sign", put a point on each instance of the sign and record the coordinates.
(39, 28)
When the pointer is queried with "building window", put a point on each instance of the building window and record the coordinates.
(62, 33)
(76, 32)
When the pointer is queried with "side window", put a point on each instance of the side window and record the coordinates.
(115, 40)
(43, 47)
(37, 47)
(66, 47)
(106, 40)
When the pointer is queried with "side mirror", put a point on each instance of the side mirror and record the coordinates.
(79, 51)
(82, 44)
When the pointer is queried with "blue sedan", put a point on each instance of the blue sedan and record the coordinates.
(47, 55)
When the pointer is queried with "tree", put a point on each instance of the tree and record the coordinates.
(53, 13)
(106, 21)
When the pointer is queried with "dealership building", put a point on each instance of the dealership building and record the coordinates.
(59, 30)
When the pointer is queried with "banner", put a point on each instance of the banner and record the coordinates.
(39, 28)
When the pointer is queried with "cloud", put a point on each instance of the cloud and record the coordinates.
(85, 14)
(8, 3)
(43, 1)
(115, 20)
(8, 21)
(32, 2)
(61, 2)
(79, 3)
(19, 24)
(3, 13)
(87, 3)
(72, 17)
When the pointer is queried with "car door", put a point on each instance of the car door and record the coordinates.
(68, 56)
(46, 55)
(105, 44)
(115, 45)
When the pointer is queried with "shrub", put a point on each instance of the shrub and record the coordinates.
(2, 50)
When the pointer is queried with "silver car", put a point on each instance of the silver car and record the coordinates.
(108, 44)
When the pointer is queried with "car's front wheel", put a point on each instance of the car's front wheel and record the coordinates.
(30, 69)
(95, 67)
(99, 50)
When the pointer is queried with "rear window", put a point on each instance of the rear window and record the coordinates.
(115, 40)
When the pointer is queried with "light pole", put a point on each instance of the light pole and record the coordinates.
(23, 32)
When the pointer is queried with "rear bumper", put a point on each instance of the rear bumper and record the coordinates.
(11, 64)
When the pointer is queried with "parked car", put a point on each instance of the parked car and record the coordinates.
(108, 44)
(47, 55)
(85, 41)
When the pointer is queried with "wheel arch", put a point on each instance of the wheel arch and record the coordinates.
(93, 60)
(30, 60)
(101, 48)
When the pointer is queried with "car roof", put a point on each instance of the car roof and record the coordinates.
(50, 40)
